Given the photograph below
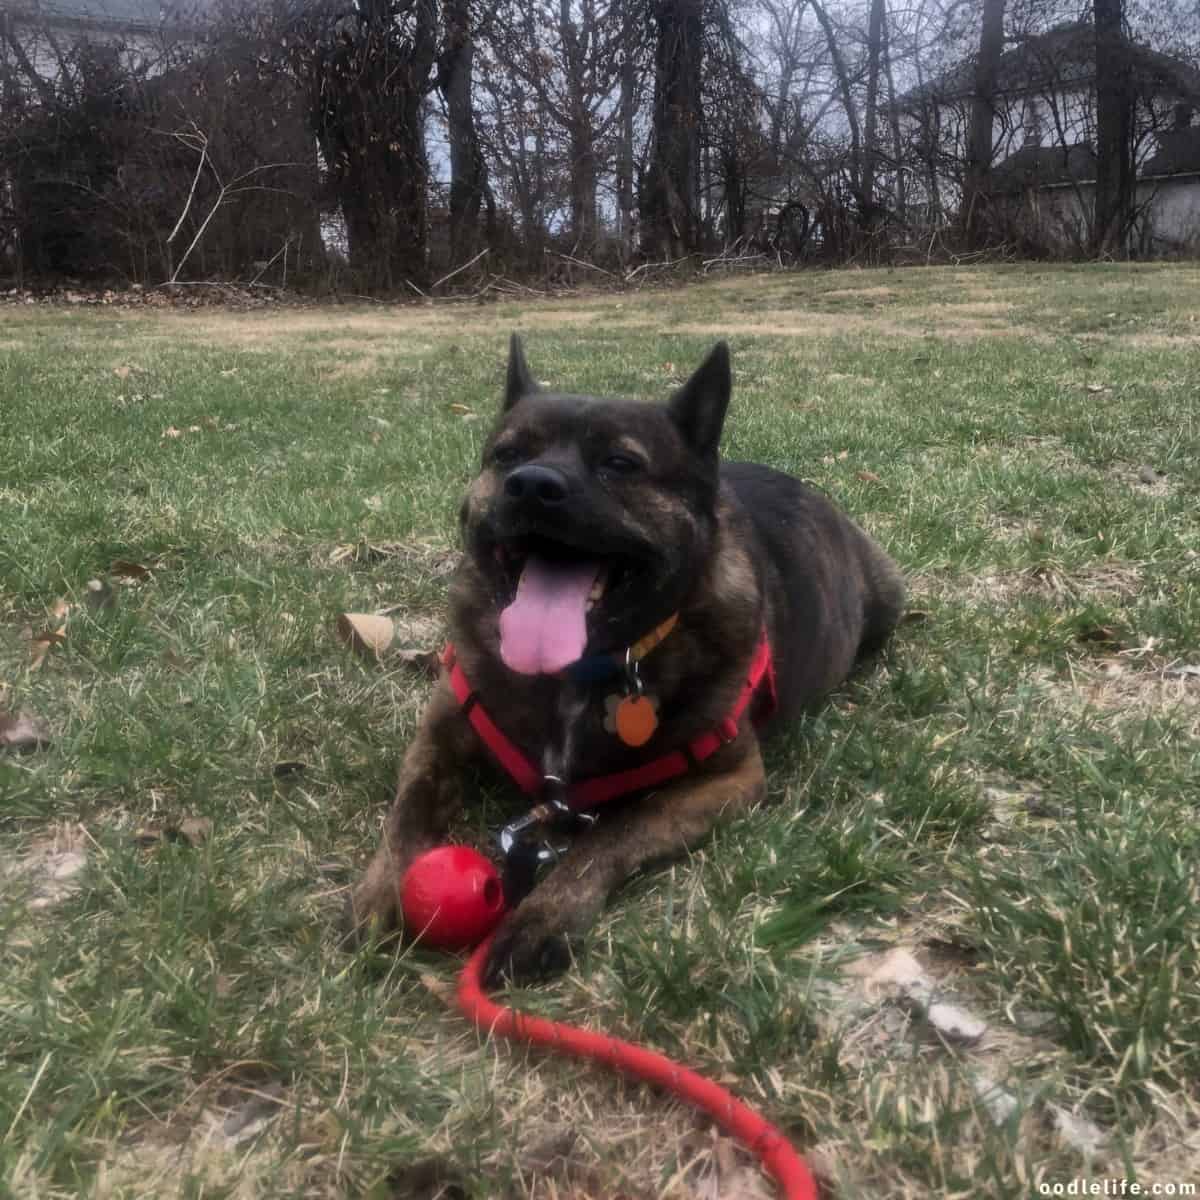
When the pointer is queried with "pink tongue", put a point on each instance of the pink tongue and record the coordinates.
(544, 629)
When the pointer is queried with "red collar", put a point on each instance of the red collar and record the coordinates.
(588, 793)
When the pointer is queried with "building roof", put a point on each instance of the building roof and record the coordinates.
(1178, 153)
(1034, 167)
(1063, 58)
(108, 14)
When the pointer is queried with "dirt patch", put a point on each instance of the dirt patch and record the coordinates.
(1122, 688)
(933, 321)
(1106, 581)
(916, 1002)
(1147, 480)
(1162, 341)
(50, 870)
(344, 330)
(865, 293)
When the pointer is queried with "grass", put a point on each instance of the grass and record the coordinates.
(1010, 795)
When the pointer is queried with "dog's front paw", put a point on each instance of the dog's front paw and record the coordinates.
(372, 911)
(531, 944)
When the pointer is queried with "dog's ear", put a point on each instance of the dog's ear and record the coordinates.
(698, 408)
(519, 382)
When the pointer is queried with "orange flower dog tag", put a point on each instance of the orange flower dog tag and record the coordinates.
(632, 718)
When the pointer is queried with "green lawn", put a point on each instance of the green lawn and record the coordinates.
(1010, 796)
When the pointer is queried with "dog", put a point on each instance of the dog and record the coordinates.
(628, 615)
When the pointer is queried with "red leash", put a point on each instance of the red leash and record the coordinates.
(758, 1136)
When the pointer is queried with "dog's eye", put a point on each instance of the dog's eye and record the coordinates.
(506, 456)
(620, 464)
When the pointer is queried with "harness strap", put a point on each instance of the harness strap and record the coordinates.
(588, 793)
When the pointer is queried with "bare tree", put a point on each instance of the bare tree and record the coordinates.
(980, 145)
(671, 188)
(469, 188)
(875, 64)
(1114, 130)
(568, 58)
(845, 91)
(367, 76)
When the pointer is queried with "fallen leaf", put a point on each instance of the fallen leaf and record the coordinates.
(868, 476)
(426, 662)
(122, 372)
(195, 830)
(1096, 388)
(191, 831)
(366, 633)
(122, 568)
(40, 643)
(172, 432)
(23, 732)
(842, 455)
(1103, 635)
(461, 409)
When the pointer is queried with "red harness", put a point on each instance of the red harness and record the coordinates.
(588, 793)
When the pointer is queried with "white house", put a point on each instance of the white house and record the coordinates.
(1044, 139)
(42, 31)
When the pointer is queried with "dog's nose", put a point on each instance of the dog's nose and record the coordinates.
(544, 485)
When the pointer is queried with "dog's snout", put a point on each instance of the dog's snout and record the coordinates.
(547, 486)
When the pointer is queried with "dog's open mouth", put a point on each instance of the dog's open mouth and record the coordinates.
(556, 587)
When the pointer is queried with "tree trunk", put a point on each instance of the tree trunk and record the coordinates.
(367, 86)
(1114, 132)
(468, 175)
(627, 101)
(843, 82)
(901, 200)
(583, 186)
(668, 201)
(871, 121)
(977, 181)
(580, 134)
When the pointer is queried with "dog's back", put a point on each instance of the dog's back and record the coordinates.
(832, 593)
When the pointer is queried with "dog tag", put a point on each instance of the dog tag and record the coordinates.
(635, 720)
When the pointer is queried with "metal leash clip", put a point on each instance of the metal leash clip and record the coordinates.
(633, 678)
(523, 856)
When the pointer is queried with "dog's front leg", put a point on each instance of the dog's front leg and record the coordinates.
(534, 940)
(428, 794)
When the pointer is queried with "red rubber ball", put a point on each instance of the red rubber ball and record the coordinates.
(451, 898)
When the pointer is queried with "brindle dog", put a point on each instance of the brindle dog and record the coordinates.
(591, 524)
